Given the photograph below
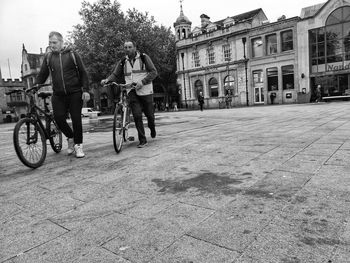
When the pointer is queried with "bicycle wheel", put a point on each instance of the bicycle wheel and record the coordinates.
(118, 129)
(55, 135)
(30, 143)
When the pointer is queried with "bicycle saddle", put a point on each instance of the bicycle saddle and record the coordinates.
(44, 95)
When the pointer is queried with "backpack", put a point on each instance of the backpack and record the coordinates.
(122, 64)
(48, 59)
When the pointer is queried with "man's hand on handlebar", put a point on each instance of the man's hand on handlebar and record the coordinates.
(138, 85)
(104, 81)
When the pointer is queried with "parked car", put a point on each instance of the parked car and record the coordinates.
(86, 112)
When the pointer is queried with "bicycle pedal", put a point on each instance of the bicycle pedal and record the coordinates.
(131, 138)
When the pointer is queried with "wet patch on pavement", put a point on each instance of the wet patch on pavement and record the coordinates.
(206, 182)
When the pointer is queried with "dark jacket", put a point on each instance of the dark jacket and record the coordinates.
(200, 99)
(64, 74)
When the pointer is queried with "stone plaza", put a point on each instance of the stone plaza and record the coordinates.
(255, 184)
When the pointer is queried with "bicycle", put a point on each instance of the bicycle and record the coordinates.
(30, 134)
(121, 118)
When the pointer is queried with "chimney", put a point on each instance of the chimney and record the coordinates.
(204, 20)
(41, 50)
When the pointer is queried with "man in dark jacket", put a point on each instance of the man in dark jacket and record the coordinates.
(70, 87)
(200, 100)
(139, 69)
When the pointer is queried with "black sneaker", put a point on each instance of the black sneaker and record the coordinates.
(153, 133)
(142, 144)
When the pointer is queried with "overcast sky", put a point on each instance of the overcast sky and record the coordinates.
(29, 22)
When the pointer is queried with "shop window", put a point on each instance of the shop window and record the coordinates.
(257, 47)
(198, 86)
(213, 87)
(211, 55)
(287, 40)
(229, 84)
(195, 59)
(271, 44)
(272, 79)
(226, 50)
(288, 77)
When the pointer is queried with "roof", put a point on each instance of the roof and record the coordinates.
(310, 11)
(242, 17)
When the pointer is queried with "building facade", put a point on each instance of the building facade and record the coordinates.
(324, 44)
(10, 105)
(247, 60)
(30, 68)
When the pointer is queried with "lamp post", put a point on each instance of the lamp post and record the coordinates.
(244, 40)
(183, 69)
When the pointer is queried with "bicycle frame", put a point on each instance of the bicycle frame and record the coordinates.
(34, 114)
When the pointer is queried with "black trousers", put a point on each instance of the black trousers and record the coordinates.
(72, 104)
(139, 104)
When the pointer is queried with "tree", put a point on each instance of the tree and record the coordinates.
(104, 30)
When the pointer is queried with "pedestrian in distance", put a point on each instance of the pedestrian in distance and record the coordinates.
(175, 106)
(200, 100)
(137, 68)
(70, 86)
(318, 94)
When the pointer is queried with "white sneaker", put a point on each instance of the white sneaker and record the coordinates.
(79, 151)
(70, 149)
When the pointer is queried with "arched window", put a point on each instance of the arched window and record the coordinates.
(213, 87)
(338, 35)
(198, 86)
(229, 84)
(178, 34)
(183, 33)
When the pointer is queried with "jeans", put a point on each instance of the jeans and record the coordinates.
(137, 105)
(71, 103)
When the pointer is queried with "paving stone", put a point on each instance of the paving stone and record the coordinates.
(301, 163)
(340, 158)
(144, 242)
(278, 185)
(96, 208)
(237, 225)
(20, 233)
(320, 149)
(188, 249)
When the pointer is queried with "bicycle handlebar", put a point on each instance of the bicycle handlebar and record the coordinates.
(35, 88)
(123, 86)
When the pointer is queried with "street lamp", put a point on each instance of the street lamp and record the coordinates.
(183, 69)
(244, 40)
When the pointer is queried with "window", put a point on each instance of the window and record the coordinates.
(16, 97)
(257, 47)
(211, 55)
(271, 44)
(331, 43)
(288, 77)
(229, 84)
(213, 87)
(195, 59)
(287, 40)
(226, 50)
(25, 67)
(258, 77)
(317, 45)
(272, 79)
(198, 86)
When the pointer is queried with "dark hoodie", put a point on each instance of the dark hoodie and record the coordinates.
(64, 74)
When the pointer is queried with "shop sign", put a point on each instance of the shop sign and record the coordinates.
(337, 67)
